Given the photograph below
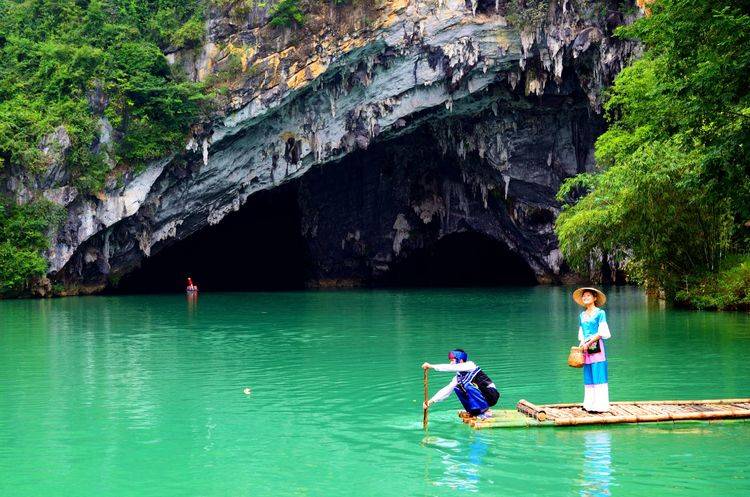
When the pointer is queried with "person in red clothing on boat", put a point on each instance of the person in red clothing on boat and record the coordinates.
(191, 288)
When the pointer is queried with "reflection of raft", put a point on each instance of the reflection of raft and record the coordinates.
(650, 411)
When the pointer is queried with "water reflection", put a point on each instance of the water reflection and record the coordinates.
(101, 389)
(597, 464)
(462, 463)
(192, 300)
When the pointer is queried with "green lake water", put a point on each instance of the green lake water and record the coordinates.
(143, 396)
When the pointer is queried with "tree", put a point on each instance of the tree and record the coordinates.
(672, 195)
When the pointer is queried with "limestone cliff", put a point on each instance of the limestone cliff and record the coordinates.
(441, 116)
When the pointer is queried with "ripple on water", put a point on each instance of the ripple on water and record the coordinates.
(144, 396)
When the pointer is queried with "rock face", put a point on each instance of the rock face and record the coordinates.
(494, 173)
(422, 119)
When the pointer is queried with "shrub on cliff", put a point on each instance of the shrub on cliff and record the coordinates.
(286, 13)
(189, 34)
(66, 64)
(55, 53)
(23, 238)
(673, 193)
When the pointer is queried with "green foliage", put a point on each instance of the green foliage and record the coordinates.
(54, 56)
(673, 193)
(23, 238)
(699, 58)
(727, 289)
(645, 210)
(189, 34)
(54, 52)
(285, 13)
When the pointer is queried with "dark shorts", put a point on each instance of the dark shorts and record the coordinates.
(491, 395)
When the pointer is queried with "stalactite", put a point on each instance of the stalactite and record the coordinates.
(369, 90)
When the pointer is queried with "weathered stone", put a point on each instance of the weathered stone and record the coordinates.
(516, 108)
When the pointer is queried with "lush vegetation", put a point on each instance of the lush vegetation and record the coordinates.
(286, 13)
(729, 289)
(672, 197)
(69, 63)
(23, 237)
(291, 13)
(54, 53)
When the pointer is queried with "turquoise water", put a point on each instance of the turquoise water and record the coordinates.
(143, 396)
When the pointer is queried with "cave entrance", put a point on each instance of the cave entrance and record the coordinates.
(466, 259)
(259, 247)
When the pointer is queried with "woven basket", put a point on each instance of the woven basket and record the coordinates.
(575, 358)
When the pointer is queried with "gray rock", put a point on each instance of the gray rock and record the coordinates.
(514, 112)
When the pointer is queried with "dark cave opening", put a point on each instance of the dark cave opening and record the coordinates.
(259, 247)
(348, 211)
(466, 259)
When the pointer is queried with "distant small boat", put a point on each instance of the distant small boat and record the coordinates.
(639, 411)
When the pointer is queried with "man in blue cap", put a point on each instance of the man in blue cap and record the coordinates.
(472, 386)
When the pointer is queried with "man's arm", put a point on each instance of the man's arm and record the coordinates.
(443, 393)
(452, 368)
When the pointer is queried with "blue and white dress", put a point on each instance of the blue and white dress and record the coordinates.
(595, 378)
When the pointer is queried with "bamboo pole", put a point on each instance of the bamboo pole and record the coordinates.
(630, 409)
(426, 398)
(653, 409)
(625, 412)
(595, 420)
(688, 402)
(619, 412)
(533, 410)
(666, 402)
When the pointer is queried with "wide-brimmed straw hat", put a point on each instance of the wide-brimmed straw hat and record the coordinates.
(601, 299)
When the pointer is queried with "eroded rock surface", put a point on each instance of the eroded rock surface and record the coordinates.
(477, 119)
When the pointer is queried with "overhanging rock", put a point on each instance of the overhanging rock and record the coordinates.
(531, 95)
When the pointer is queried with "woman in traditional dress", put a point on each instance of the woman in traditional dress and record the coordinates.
(592, 331)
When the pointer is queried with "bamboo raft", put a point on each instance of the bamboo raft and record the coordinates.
(650, 411)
